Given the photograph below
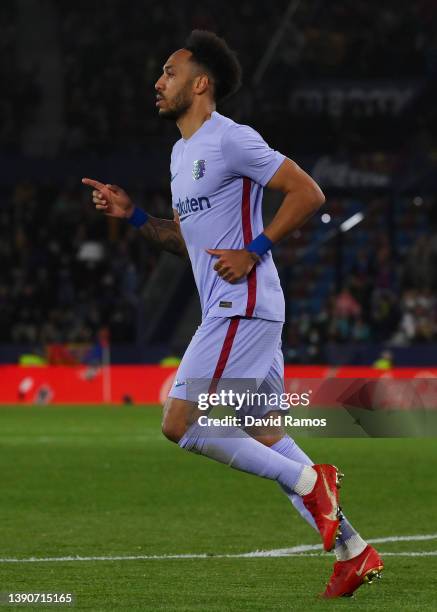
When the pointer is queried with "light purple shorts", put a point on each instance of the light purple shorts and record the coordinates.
(232, 348)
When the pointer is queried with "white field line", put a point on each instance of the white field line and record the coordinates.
(296, 551)
(430, 553)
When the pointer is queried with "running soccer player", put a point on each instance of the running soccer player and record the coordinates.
(218, 172)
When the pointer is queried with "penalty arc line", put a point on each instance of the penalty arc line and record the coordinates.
(296, 551)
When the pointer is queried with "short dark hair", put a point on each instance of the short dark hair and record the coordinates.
(213, 54)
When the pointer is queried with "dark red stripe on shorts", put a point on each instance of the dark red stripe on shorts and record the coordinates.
(247, 236)
(224, 354)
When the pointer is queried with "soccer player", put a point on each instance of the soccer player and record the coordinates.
(218, 171)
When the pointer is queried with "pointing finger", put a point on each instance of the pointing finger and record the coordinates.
(216, 252)
(92, 183)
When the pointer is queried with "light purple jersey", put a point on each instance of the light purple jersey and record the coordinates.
(217, 180)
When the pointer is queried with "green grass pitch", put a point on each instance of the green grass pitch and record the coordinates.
(103, 482)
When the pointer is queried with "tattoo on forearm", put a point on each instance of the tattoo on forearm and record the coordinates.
(166, 235)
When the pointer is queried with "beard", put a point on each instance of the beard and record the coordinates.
(179, 106)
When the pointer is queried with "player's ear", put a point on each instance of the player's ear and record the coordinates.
(201, 83)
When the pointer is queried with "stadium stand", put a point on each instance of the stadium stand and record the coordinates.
(341, 94)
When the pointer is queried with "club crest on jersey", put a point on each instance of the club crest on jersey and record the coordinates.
(198, 169)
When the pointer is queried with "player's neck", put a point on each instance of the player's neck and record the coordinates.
(193, 119)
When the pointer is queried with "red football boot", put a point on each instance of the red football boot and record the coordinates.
(322, 502)
(349, 575)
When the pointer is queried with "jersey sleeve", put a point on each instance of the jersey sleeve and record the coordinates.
(173, 157)
(245, 153)
(173, 171)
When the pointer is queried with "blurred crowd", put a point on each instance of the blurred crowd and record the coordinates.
(375, 283)
(68, 272)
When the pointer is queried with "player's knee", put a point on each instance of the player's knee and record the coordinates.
(178, 415)
(173, 425)
(173, 430)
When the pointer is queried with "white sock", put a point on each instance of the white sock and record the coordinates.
(306, 481)
(350, 548)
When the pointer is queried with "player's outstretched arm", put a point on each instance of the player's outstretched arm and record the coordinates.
(161, 233)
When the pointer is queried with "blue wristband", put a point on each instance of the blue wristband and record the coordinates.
(260, 245)
(138, 217)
